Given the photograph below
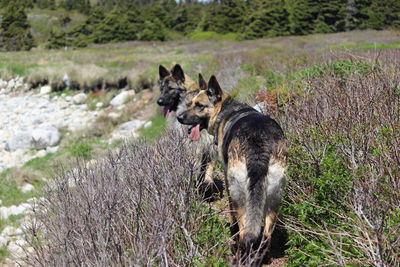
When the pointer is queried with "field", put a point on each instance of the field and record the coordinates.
(336, 96)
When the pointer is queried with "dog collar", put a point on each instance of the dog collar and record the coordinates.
(242, 113)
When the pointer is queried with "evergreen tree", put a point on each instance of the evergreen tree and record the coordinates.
(57, 40)
(15, 29)
(330, 17)
(302, 14)
(383, 14)
(224, 16)
(186, 18)
(267, 18)
(152, 31)
(114, 28)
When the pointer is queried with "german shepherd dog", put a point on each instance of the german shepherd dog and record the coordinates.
(253, 150)
(177, 89)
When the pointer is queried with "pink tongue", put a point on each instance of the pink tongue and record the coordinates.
(166, 112)
(195, 133)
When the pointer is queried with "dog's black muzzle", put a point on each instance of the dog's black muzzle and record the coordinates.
(182, 118)
(161, 102)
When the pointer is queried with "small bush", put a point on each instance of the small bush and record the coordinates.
(135, 207)
(342, 195)
(81, 149)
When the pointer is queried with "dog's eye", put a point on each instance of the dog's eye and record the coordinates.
(198, 105)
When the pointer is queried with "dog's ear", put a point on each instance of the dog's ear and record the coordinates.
(177, 73)
(163, 72)
(202, 82)
(214, 90)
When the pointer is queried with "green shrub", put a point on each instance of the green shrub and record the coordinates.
(81, 149)
(341, 68)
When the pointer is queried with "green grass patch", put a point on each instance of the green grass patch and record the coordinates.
(19, 69)
(82, 149)
(209, 35)
(214, 232)
(247, 87)
(375, 46)
(3, 253)
(157, 126)
(9, 191)
(340, 68)
(40, 163)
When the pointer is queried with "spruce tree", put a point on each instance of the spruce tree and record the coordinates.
(302, 14)
(224, 16)
(267, 18)
(152, 31)
(15, 29)
(331, 16)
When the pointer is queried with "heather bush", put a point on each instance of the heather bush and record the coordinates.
(136, 207)
(342, 199)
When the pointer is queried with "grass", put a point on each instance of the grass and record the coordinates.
(209, 35)
(82, 149)
(10, 192)
(155, 129)
(3, 253)
(373, 46)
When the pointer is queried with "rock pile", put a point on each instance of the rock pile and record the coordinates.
(30, 124)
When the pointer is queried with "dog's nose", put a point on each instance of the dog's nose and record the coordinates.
(181, 117)
(160, 101)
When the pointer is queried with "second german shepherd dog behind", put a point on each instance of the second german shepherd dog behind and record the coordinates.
(176, 90)
(253, 150)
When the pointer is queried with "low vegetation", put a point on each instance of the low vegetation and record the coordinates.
(337, 98)
(137, 206)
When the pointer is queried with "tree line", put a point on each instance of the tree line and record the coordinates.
(149, 20)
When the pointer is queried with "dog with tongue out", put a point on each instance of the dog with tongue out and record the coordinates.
(176, 91)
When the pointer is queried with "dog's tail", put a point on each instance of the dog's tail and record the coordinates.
(257, 169)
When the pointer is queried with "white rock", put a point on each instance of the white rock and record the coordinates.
(45, 136)
(6, 212)
(15, 250)
(99, 105)
(27, 188)
(1, 201)
(11, 84)
(3, 241)
(3, 84)
(66, 80)
(68, 98)
(79, 98)
(51, 149)
(114, 115)
(20, 242)
(8, 231)
(45, 90)
(82, 107)
(147, 124)
(19, 231)
(20, 140)
(41, 153)
(122, 98)
(131, 125)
